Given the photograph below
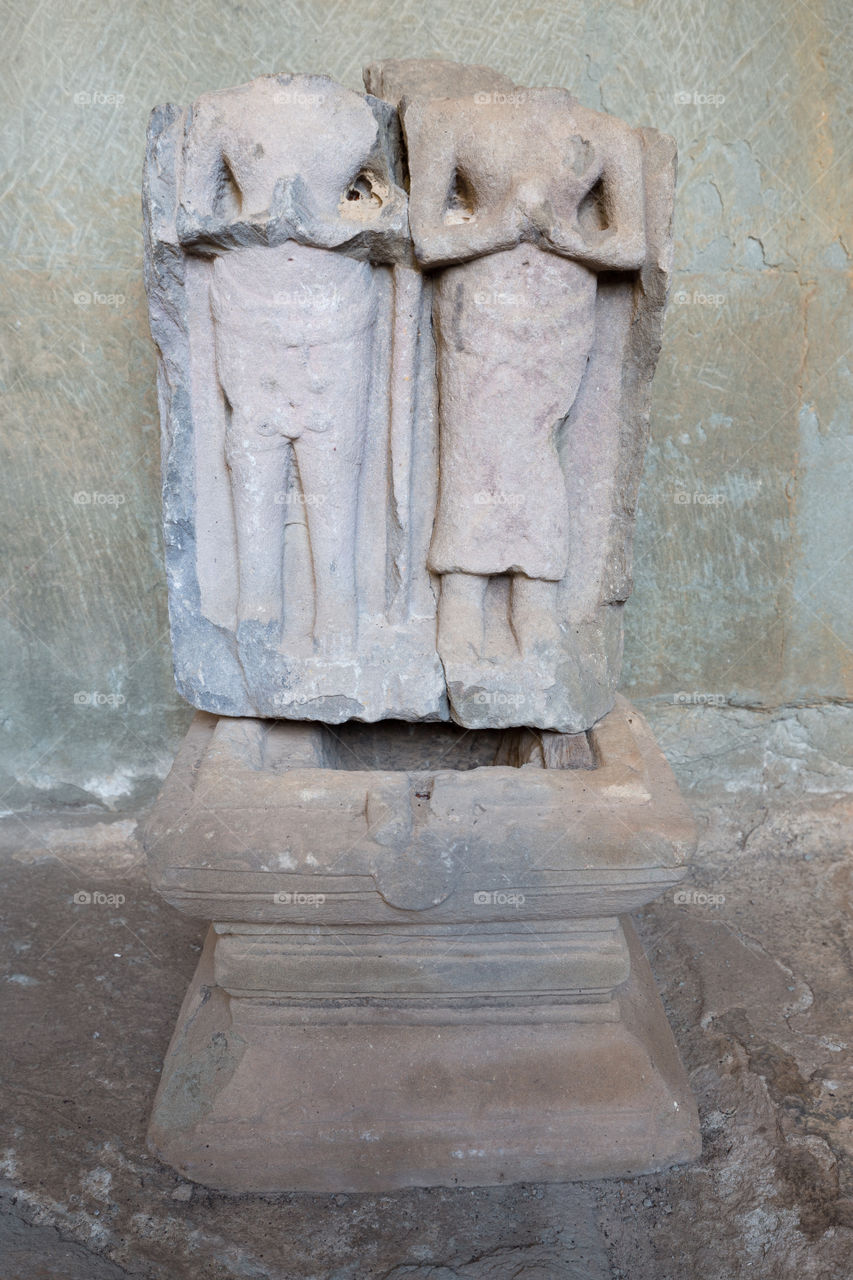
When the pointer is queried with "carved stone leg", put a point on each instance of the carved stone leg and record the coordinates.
(461, 617)
(329, 456)
(533, 614)
(259, 470)
(331, 500)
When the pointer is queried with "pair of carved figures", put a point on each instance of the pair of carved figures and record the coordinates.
(406, 342)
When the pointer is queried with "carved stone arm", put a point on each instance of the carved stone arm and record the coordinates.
(442, 235)
(201, 176)
(235, 195)
(440, 244)
(621, 245)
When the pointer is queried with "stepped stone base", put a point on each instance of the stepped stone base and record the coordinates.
(317, 1096)
(422, 972)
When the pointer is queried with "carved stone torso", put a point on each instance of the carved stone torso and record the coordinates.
(506, 324)
(288, 310)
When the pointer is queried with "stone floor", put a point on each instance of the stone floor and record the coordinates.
(755, 971)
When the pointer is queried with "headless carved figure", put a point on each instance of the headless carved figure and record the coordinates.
(294, 329)
(283, 181)
(520, 213)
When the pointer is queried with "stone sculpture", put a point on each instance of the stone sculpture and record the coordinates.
(295, 307)
(273, 217)
(324, 376)
(519, 199)
(406, 346)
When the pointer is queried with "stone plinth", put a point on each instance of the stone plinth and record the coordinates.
(420, 972)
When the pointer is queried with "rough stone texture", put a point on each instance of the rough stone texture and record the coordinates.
(96, 990)
(416, 974)
(751, 400)
(394, 79)
(311, 523)
(369, 1098)
(252, 828)
(295, 396)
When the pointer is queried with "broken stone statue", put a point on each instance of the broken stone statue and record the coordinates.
(406, 343)
(322, 375)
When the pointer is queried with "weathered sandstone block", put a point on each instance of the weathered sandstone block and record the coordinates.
(407, 341)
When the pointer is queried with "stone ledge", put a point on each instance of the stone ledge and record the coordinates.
(245, 833)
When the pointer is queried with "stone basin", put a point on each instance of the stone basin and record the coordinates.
(298, 823)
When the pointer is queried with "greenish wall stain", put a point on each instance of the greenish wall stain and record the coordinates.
(743, 559)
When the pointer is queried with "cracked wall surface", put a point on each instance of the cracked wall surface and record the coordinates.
(742, 554)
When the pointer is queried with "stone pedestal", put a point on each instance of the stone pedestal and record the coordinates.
(404, 383)
(421, 972)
